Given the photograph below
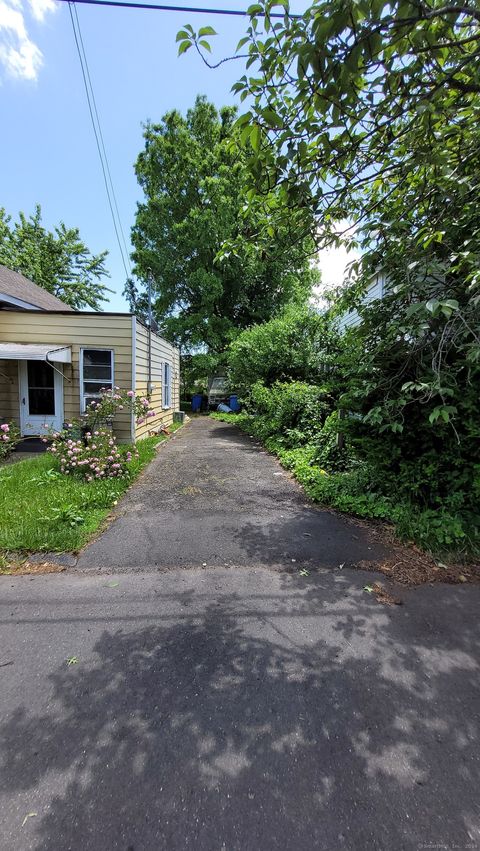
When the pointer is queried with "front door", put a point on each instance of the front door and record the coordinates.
(41, 398)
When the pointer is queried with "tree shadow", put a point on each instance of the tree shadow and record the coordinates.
(311, 537)
(296, 724)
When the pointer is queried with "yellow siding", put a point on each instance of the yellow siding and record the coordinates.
(9, 401)
(78, 330)
(161, 352)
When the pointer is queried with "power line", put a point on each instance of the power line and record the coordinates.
(132, 4)
(99, 126)
(103, 164)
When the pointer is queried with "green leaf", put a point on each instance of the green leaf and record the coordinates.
(205, 45)
(206, 31)
(185, 45)
(182, 34)
(271, 117)
(242, 42)
(255, 137)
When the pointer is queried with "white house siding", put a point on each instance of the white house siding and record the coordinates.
(374, 292)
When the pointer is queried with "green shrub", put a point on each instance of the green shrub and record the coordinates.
(292, 412)
(288, 348)
(330, 454)
(9, 437)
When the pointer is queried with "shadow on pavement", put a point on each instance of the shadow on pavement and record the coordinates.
(258, 732)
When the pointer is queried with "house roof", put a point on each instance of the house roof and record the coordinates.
(20, 291)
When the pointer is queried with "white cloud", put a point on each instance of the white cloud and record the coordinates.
(332, 263)
(40, 8)
(20, 57)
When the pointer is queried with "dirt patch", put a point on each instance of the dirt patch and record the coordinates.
(382, 595)
(28, 567)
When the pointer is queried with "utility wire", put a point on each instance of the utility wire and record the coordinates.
(103, 164)
(132, 4)
(99, 126)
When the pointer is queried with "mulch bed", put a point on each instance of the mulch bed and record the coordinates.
(409, 566)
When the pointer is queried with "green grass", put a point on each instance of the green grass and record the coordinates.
(44, 511)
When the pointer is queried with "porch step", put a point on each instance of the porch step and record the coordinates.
(31, 444)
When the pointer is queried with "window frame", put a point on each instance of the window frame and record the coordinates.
(101, 383)
(167, 385)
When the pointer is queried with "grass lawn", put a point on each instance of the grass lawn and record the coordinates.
(42, 510)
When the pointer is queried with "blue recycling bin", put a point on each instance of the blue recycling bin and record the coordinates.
(196, 403)
(234, 404)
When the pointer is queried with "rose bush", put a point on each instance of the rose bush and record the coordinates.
(94, 457)
(9, 437)
(113, 400)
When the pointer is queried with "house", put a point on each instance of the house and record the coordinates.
(54, 360)
(375, 291)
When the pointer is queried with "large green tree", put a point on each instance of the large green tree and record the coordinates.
(192, 171)
(58, 260)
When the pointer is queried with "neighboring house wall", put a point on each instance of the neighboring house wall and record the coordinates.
(78, 330)
(162, 353)
(375, 291)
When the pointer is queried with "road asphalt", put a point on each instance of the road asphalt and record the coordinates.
(244, 708)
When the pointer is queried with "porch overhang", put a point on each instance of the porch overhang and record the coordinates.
(50, 352)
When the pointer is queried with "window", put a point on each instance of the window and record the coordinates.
(96, 372)
(41, 388)
(167, 385)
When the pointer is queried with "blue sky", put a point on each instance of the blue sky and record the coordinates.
(47, 148)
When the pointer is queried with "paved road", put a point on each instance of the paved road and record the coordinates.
(246, 710)
(214, 496)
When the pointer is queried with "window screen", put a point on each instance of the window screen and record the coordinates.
(167, 385)
(96, 373)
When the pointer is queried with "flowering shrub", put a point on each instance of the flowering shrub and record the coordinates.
(9, 437)
(96, 456)
(112, 401)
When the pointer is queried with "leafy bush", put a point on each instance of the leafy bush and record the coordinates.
(287, 348)
(96, 456)
(9, 437)
(331, 454)
(291, 412)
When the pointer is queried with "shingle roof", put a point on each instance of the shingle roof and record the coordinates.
(15, 285)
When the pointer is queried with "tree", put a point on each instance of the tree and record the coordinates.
(58, 260)
(192, 172)
(367, 111)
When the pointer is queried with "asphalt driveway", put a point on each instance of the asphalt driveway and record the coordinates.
(175, 690)
(213, 496)
(246, 709)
